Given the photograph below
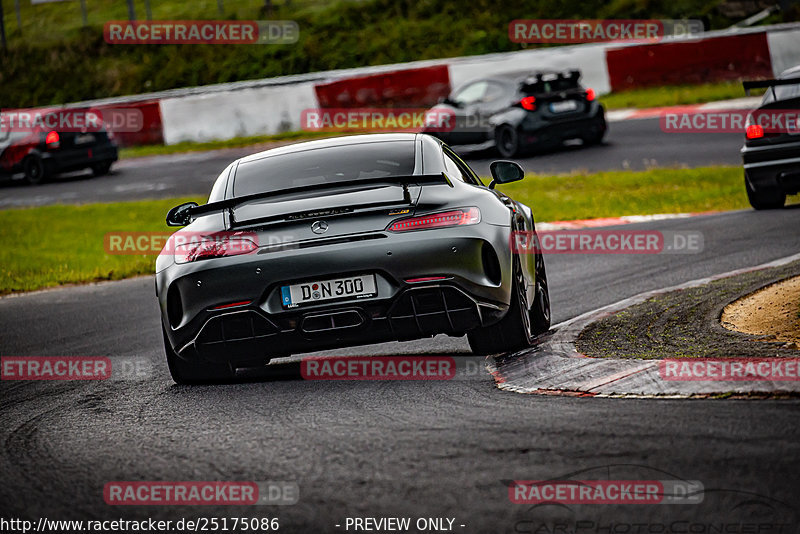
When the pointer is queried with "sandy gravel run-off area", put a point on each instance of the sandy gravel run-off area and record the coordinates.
(773, 311)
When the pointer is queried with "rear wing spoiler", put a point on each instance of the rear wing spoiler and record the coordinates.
(761, 84)
(539, 77)
(404, 181)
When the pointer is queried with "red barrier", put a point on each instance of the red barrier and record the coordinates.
(707, 60)
(409, 88)
(135, 123)
(152, 130)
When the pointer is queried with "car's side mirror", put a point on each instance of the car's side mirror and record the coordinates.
(504, 172)
(180, 215)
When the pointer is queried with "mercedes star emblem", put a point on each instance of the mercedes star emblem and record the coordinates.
(319, 227)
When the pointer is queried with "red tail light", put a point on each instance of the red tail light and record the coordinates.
(213, 248)
(52, 138)
(590, 94)
(529, 103)
(462, 217)
(754, 131)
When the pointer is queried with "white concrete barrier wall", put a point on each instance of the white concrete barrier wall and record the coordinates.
(784, 50)
(273, 109)
(243, 112)
(246, 109)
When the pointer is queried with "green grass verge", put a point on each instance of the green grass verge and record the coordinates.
(616, 193)
(63, 244)
(675, 95)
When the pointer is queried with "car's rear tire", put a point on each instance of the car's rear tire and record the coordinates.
(35, 170)
(540, 311)
(514, 331)
(595, 138)
(769, 199)
(184, 372)
(597, 134)
(101, 169)
(507, 141)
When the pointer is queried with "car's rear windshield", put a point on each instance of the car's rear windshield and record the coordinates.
(548, 85)
(325, 165)
(782, 92)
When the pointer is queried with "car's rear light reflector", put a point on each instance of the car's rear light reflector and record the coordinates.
(528, 102)
(590, 94)
(51, 139)
(444, 219)
(755, 131)
(232, 304)
(425, 279)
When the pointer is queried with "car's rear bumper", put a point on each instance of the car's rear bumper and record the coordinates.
(70, 159)
(250, 335)
(473, 293)
(544, 132)
(773, 167)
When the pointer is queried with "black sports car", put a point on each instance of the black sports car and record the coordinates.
(519, 112)
(771, 155)
(346, 241)
(41, 153)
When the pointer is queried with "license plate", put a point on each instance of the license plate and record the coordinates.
(561, 107)
(352, 287)
(84, 139)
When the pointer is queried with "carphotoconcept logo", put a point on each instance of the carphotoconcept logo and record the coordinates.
(201, 32)
(627, 499)
(596, 31)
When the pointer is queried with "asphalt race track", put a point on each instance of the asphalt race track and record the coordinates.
(632, 144)
(382, 449)
(443, 449)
